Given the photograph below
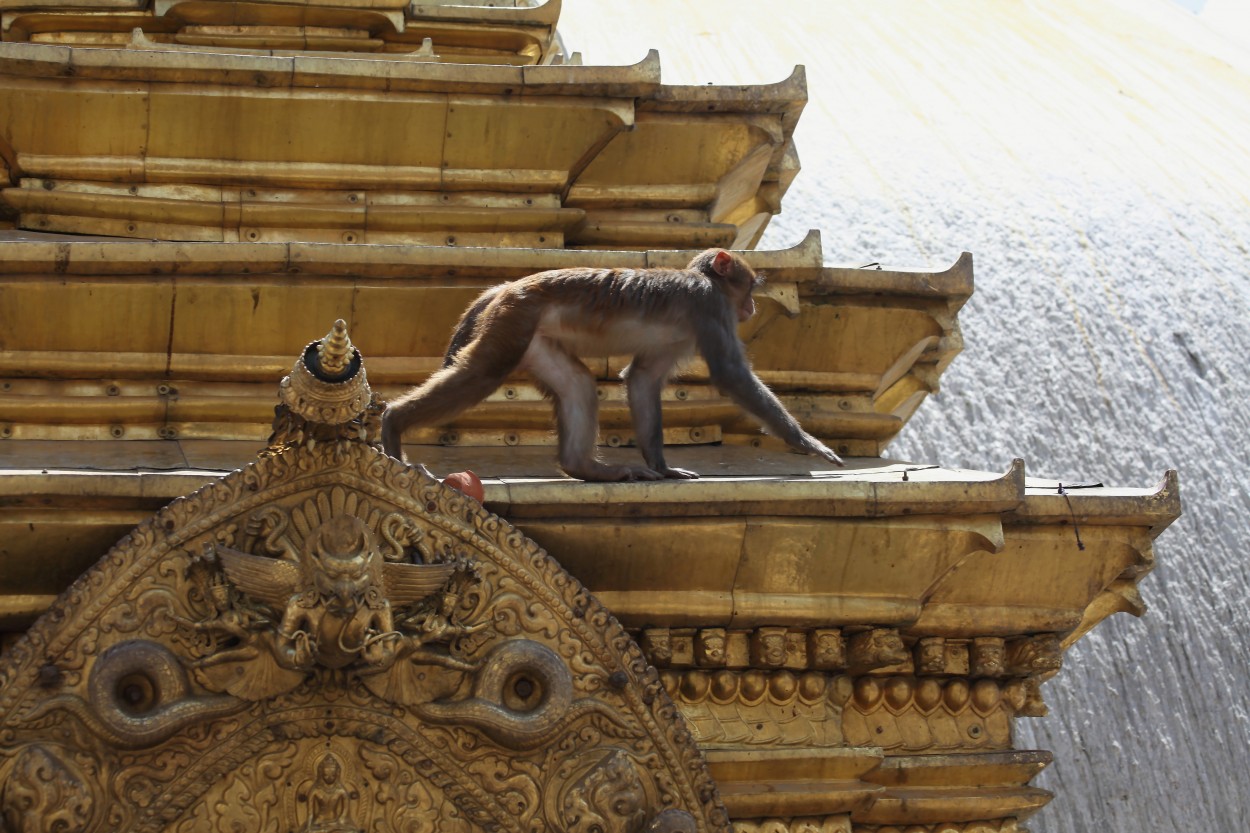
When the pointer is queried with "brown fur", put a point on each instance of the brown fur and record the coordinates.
(545, 320)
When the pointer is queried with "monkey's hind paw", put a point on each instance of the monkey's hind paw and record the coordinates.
(600, 473)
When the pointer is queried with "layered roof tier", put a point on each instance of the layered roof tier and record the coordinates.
(194, 144)
(495, 32)
(183, 341)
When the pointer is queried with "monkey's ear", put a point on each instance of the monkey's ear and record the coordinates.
(723, 263)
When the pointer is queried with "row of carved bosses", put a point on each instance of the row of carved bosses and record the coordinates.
(813, 709)
(861, 651)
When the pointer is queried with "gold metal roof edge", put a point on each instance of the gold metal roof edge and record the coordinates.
(953, 282)
(88, 257)
(641, 79)
(266, 71)
(1097, 505)
(877, 490)
(546, 14)
(1018, 764)
(644, 80)
(890, 492)
(800, 264)
(783, 95)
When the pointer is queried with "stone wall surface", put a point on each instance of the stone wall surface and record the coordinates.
(1091, 154)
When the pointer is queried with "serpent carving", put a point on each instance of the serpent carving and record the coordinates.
(139, 695)
(522, 697)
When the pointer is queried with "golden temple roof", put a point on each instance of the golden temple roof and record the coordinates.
(196, 188)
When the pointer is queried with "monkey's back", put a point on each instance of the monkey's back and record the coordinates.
(607, 293)
(608, 312)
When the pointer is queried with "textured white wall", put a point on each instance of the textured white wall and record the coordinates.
(1092, 155)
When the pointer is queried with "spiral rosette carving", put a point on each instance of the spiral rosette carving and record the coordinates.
(329, 640)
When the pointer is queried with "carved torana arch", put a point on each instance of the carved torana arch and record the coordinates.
(330, 640)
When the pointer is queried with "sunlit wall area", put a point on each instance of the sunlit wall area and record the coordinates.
(1093, 156)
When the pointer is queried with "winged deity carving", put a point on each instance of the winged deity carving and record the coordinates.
(277, 619)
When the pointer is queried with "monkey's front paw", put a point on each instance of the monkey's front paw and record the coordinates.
(815, 446)
(679, 474)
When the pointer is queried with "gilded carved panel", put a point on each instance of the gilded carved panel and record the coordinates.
(329, 640)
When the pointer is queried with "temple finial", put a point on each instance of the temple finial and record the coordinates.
(326, 397)
(334, 353)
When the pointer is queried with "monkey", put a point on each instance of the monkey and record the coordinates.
(543, 322)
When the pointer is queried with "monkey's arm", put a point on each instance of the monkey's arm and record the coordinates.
(731, 373)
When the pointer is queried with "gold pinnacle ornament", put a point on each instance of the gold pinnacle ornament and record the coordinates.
(328, 383)
(326, 397)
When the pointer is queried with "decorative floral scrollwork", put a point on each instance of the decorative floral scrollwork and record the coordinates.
(43, 792)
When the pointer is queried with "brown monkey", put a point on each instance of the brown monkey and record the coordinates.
(541, 323)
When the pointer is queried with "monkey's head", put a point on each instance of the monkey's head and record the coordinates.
(731, 275)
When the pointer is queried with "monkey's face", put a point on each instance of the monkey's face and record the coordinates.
(737, 280)
(746, 307)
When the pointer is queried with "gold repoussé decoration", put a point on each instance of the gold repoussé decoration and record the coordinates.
(329, 640)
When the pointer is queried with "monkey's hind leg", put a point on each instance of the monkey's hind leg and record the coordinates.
(472, 378)
(577, 414)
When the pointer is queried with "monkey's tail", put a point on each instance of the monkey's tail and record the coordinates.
(467, 326)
